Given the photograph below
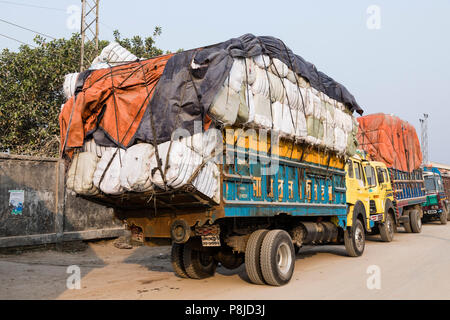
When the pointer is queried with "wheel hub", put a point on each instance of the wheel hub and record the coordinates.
(284, 258)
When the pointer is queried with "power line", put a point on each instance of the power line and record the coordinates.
(31, 5)
(42, 34)
(16, 40)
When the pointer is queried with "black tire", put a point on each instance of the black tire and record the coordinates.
(177, 260)
(252, 256)
(355, 239)
(444, 214)
(277, 258)
(387, 229)
(416, 221)
(198, 264)
(407, 225)
(446, 209)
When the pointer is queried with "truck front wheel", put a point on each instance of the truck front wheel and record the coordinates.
(355, 239)
(277, 258)
(416, 221)
(387, 229)
(197, 263)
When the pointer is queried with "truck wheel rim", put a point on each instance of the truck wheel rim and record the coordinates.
(419, 221)
(359, 238)
(284, 258)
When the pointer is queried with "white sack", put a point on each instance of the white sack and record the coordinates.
(225, 106)
(81, 173)
(111, 179)
(278, 68)
(262, 61)
(135, 172)
(70, 81)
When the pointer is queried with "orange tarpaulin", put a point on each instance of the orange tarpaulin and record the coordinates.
(119, 94)
(390, 140)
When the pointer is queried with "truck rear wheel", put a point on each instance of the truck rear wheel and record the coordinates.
(387, 229)
(355, 239)
(177, 260)
(444, 217)
(252, 256)
(277, 258)
(197, 263)
(416, 221)
(407, 225)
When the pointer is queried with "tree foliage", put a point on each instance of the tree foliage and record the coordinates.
(31, 89)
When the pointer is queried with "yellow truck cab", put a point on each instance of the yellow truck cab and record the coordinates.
(370, 196)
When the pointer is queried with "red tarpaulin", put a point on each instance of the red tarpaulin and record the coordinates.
(113, 99)
(390, 140)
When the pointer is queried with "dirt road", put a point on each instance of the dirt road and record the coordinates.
(413, 266)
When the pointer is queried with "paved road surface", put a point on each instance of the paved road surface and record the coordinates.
(413, 266)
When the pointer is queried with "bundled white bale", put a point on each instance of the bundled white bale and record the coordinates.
(251, 68)
(208, 181)
(81, 174)
(99, 65)
(115, 54)
(268, 85)
(107, 174)
(178, 164)
(291, 77)
(277, 91)
(340, 139)
(278, 68)
(301, 130)
(225, 106)
(91, 146)
(294, 96)
(262, 61)
(69, 85)
(135, 172)
(261, 83)
(251, 105)
(205, 143)
(283, 119)
(263, 116)
(347, 124)
(237, 75)
(277, 115)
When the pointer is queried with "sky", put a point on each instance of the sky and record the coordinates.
(393, 56)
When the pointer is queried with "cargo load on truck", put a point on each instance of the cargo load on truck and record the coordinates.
(156, 124)
(393, 141)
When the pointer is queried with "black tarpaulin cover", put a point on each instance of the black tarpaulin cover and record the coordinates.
(184, 94)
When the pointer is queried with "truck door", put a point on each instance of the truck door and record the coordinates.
(356, 183)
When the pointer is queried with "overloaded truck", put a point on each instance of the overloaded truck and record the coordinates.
(232, 153)
(437, 205)
(394, 142)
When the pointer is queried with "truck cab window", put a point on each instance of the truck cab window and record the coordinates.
(380, 175)
(370, 175)
(350, 169)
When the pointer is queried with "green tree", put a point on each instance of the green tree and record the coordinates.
(31, 89)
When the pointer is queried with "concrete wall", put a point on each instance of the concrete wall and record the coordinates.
(50, 213)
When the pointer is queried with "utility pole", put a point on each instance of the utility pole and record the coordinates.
(424, 138)
(89, 15)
